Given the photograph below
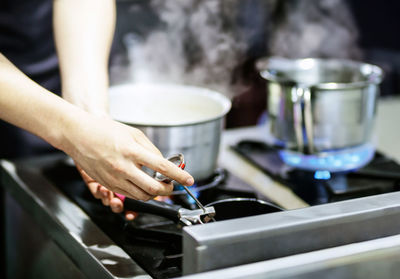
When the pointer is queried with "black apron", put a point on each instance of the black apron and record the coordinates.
(26, 39)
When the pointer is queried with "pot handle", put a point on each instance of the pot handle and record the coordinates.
(302, 113)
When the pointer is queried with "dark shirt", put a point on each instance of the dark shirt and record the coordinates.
(26, 39)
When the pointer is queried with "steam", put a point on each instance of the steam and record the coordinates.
(194, 46)
(201, 42)
(323, 28)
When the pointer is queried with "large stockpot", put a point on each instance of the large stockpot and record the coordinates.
(176, 118)
(321, 105)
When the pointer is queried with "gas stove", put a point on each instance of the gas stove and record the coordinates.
(102, 244)
(154, 242)
(380, 175)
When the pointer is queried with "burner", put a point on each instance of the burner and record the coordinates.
(154, 242)
(332, 161)
(322, 175)
(380, 175)
(217, 178)
(207, 191)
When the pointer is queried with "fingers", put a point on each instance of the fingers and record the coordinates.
(131, 190)
(147, 144)
(84, 175)
(130, 215)
(107, 197)
(141, 138)
(116, 205)
(94, 188)
(164, 166)
(100, 192)
(151, 186)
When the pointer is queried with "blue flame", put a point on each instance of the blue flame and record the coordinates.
(343, 160)
(191, 200)
(322, 175)
(192, 189)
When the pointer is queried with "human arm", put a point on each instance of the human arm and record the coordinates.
(83, 32)
(108, 151)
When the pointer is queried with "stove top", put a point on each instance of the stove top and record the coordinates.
(381, 175)
(154, 242)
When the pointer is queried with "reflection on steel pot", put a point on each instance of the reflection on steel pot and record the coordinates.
(322, 107)
(176, 118)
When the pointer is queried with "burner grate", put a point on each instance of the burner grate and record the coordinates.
(381, 175)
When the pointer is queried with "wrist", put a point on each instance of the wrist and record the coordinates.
(70, 119)
(91, 98)
(74, 131)
(87, 87)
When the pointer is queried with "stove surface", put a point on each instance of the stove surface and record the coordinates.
(104, 245)
(154, 242)
(381, 175)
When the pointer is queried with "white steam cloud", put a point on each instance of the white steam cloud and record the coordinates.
(193, 46)
(200, 42)
(322, 28)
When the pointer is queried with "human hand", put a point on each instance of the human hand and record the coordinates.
(107, 197)
(113, 153)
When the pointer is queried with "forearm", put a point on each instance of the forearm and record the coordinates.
(31, 107)
(84, 31)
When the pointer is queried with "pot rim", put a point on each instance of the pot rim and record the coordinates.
(268, 67)
(198, 91)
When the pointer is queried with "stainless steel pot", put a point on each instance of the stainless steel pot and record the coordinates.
(177, 119)
(318, 105)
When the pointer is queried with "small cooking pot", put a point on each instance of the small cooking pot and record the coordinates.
(224, 209)
(317, 105)
(322, 111)
(176, 118)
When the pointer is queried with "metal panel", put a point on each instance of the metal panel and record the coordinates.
(263, 237)
(39, 256)
(372, 259)
(93, 253)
